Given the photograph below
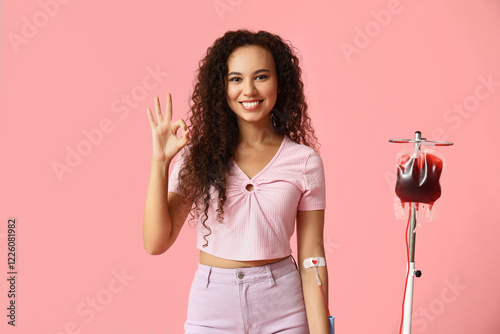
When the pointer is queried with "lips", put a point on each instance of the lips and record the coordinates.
(250, 105)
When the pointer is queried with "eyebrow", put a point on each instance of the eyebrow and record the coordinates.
(258, 71)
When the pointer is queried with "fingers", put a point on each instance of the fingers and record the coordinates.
(168, 112)
(158, 109)
(168, 115)
(184, 139)
(180, 122)
(152, 121)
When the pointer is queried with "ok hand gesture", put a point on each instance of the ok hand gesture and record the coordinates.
(165, 141)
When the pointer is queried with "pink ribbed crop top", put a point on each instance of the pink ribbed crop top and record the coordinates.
(258, 224)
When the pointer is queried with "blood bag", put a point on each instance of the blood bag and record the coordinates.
(418, 174)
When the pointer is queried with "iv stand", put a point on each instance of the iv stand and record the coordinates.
(408, 308)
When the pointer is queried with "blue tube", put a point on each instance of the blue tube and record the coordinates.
(332, 324)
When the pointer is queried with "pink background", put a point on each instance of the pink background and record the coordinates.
(72, 71)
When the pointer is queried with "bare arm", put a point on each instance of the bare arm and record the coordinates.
(310, 244)
(163, 217)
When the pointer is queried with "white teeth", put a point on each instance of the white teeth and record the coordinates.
(251, 104)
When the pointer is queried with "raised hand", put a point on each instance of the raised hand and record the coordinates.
(165, 141)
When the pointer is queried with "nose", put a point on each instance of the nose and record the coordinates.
(249, 88)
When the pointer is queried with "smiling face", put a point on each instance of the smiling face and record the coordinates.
(251, 84)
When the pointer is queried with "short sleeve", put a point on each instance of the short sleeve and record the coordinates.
(173, 181)
(314, 194)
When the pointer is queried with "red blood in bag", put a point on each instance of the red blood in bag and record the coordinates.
(418, 178)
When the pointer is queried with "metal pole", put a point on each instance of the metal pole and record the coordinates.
(411, 276)
(411, 266)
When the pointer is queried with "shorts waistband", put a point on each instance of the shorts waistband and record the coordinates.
(246, 275)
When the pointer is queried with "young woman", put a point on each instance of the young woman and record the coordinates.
(247, 169)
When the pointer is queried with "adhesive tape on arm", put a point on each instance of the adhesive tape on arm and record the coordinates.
(314, 262)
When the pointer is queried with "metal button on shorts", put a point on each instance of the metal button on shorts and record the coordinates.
(240, 275)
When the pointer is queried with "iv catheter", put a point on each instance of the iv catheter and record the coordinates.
(314, 262)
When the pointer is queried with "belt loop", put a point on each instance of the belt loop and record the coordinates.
(270, 275)
(208, 275)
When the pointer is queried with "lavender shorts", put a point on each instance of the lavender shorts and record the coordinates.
(264, 299)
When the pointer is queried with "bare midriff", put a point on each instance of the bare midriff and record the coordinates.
(214, 261)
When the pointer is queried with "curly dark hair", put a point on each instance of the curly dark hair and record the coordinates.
(213, 127)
